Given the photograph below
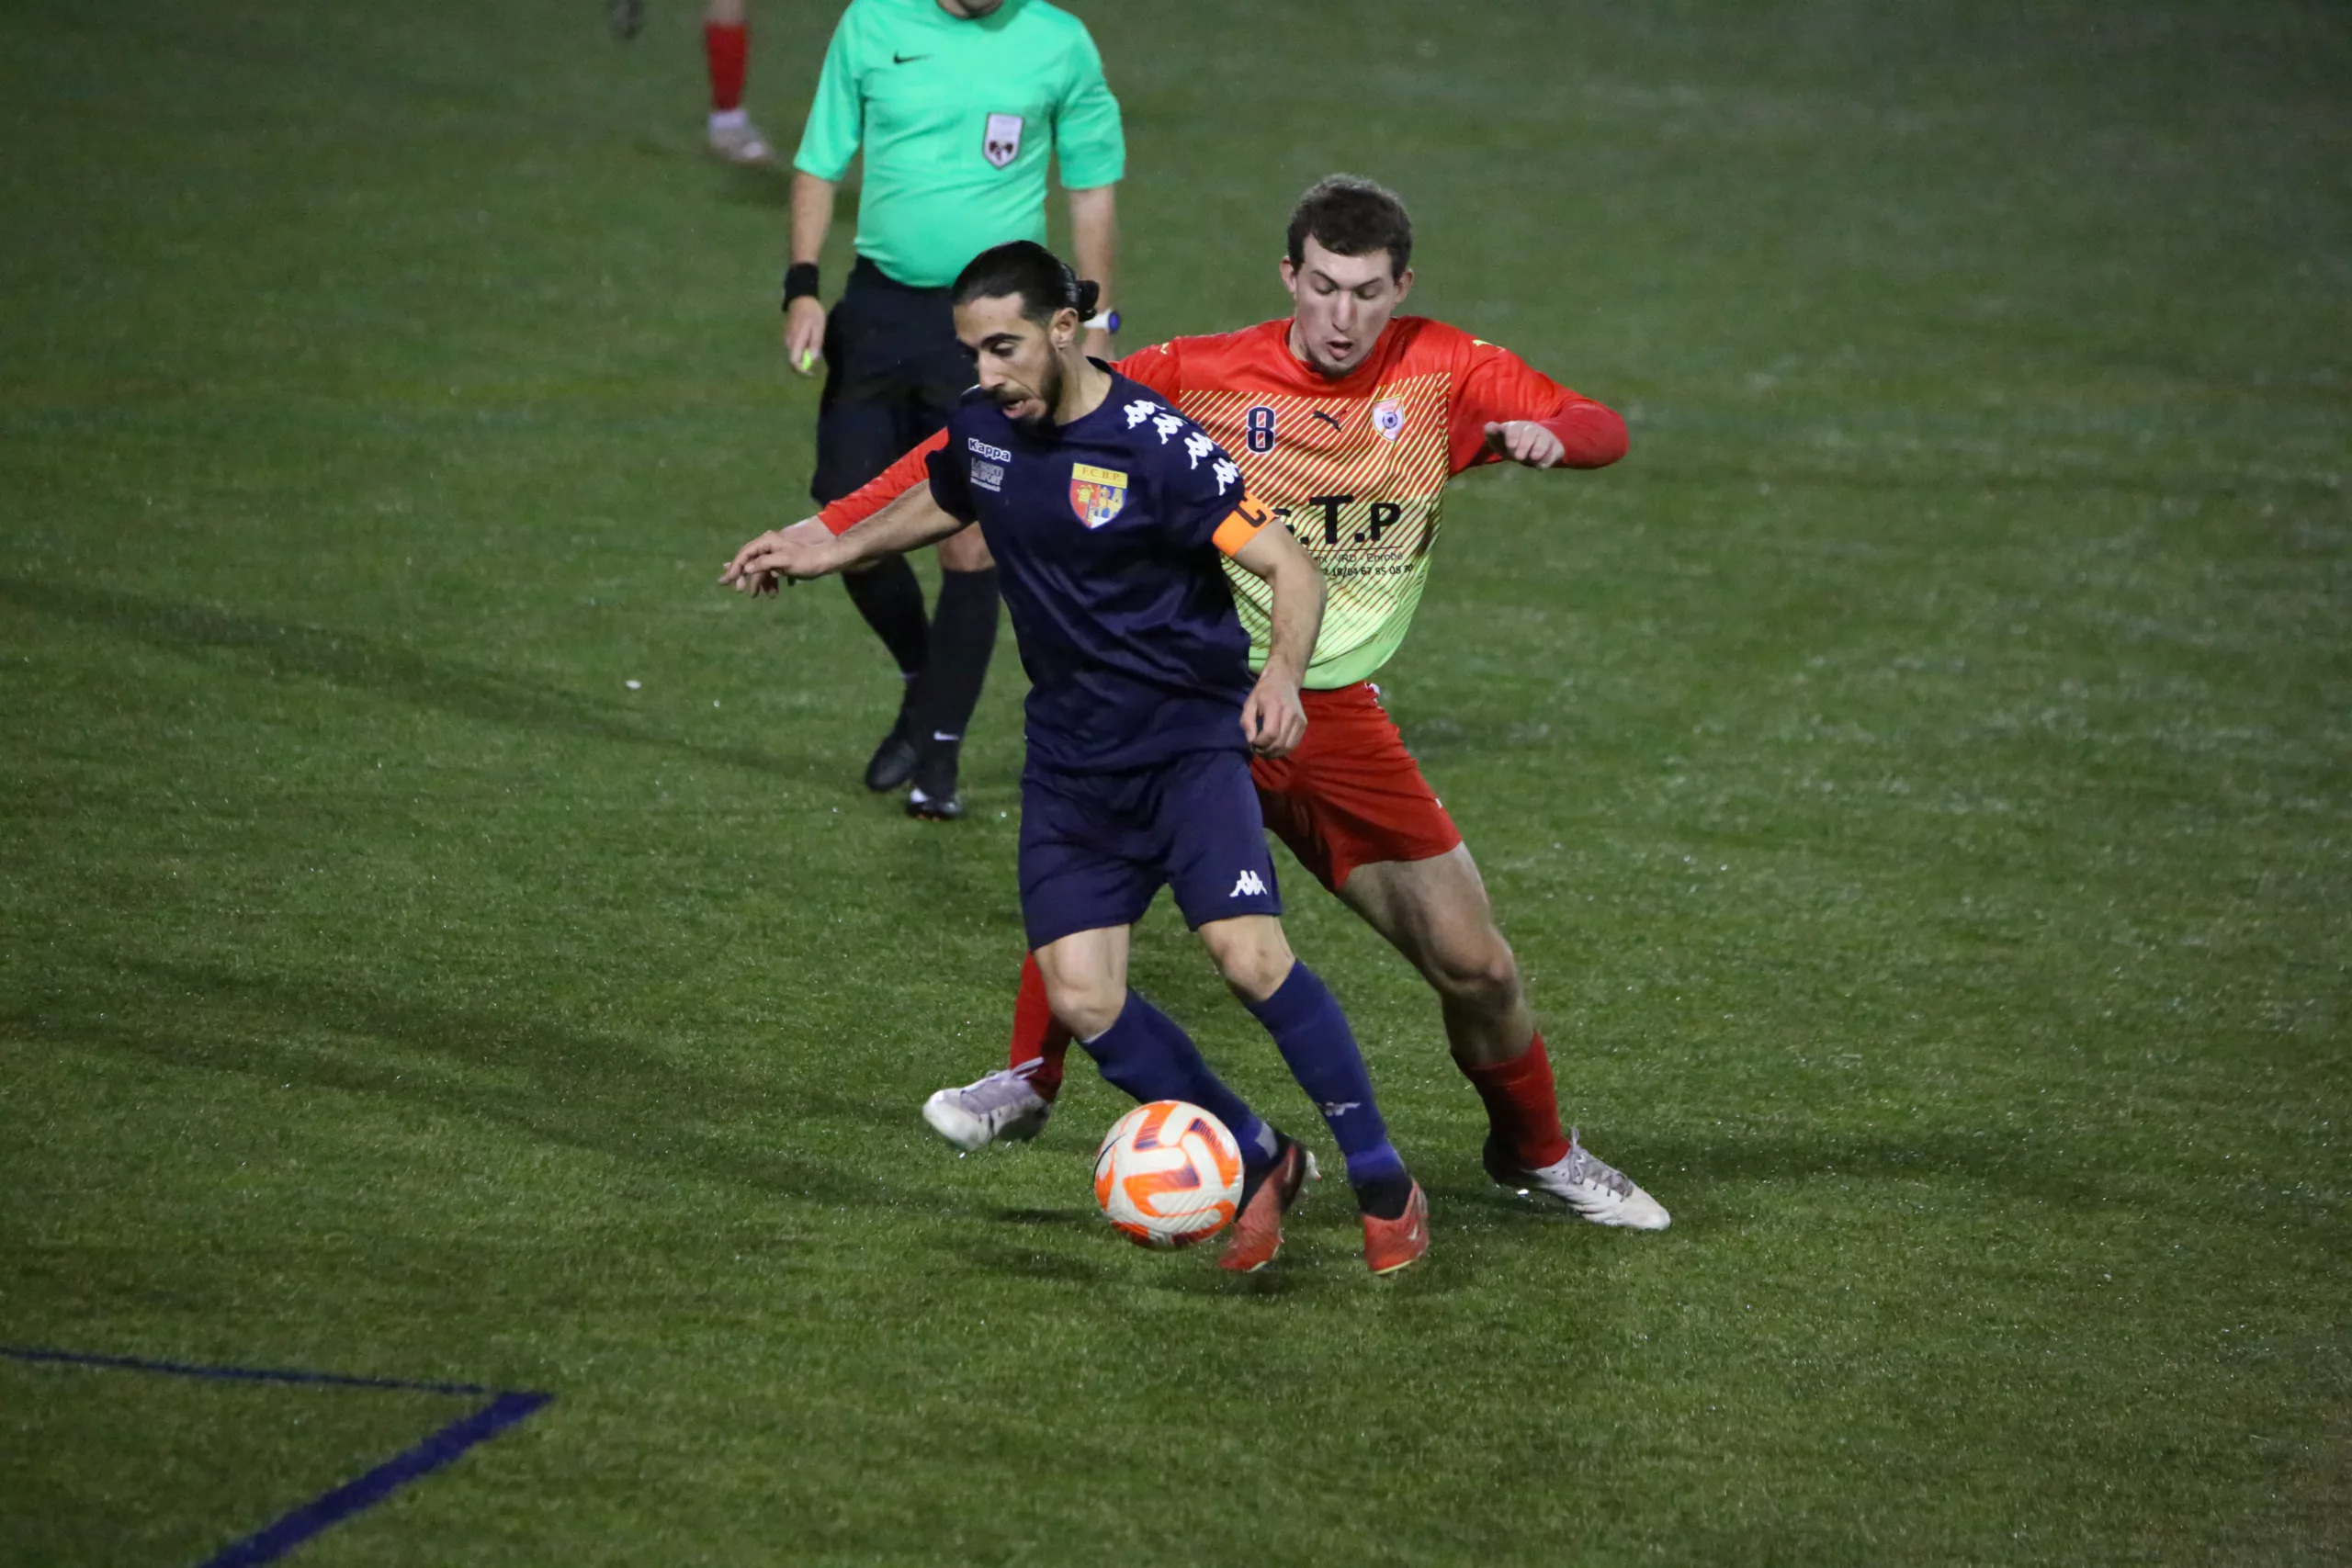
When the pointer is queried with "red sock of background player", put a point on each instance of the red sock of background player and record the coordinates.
(726, 47)
(1037, 1035)
(1522, 1105)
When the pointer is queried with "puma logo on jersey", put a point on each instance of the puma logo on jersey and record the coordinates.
(1249, 882)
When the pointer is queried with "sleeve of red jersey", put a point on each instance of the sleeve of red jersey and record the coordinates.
(883, 489)
(1154, 366)
(1499, 387)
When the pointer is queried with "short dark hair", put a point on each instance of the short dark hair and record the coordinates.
(1349, 216)
(1043, 279)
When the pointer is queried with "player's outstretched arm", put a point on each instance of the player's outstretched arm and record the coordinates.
(810, 549)
(1273, 718)
(911, 471)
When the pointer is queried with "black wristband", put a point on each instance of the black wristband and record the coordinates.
(799, 280)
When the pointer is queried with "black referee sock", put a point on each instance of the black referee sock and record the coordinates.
(962, 636)
(890, 599)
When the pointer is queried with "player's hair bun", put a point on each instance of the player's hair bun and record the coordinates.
(1042, 280)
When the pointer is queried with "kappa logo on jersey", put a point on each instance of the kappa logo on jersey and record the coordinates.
(1248, 882)
(1001, 142)
(987, 463)
(1096, 494)
(1389, 418)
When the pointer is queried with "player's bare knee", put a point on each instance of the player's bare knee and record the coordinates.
(1086, 1009)
(1476, 969)
(1252, 955)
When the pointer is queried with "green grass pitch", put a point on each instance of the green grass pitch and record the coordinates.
(1916, 782)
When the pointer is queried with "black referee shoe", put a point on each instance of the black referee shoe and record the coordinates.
(894, 761)
(933, 797)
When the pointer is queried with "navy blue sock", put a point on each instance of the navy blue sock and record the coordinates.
(1313, 1036)
(1146, 1054)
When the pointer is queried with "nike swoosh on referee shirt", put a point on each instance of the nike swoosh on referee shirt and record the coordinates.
(896, 59)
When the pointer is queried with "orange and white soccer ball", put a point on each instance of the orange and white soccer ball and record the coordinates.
(1168, 1175)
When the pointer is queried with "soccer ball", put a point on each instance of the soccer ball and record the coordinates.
(1168, 1175)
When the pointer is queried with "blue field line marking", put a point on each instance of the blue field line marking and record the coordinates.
(332, 1507)
(291, 1530)
(245, 1374)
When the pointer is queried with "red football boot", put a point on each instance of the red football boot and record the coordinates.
(1258, 1233)
(1390, 1245)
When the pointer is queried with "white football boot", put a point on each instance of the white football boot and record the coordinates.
(735, 139)
(1000, 1107)
(1580, 1182)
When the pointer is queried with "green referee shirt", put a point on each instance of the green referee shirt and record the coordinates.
(958, 119)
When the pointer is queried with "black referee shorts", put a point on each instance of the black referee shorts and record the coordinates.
(893, 373)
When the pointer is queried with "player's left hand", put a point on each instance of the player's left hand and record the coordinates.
(1524, 441)
(1273, 719)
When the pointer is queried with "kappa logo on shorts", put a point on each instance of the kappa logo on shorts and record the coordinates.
(1096, 494)
(1249, 882)
(1001, 144)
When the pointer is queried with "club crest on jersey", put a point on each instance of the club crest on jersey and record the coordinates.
(1096, 494)
(1389, 418)
(1001, 142)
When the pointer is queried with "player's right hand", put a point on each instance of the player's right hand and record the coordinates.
(808, 549)
(1273, 719)
(804, 335)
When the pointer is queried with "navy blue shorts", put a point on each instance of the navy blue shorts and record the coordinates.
(1095, 848)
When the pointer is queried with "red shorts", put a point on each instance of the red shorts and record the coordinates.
(1350, 795)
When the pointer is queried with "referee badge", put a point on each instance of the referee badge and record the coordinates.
(1002, 143)
(1096, 494)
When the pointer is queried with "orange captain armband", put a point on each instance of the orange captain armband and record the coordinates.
(1241, 526)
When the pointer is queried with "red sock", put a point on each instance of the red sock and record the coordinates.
(1038, 1036)
(1522, 1106)
(727, 48)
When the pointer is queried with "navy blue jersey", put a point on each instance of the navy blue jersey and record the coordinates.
(1107, 535)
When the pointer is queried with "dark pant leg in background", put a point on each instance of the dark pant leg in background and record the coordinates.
(964, 624)
(880, 340)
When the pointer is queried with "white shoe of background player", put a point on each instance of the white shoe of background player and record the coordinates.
(1000, 1107)
(734, 138)
(1580, 1182)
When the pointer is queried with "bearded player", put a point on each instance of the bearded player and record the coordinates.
(1143, 712)
(1348, 420)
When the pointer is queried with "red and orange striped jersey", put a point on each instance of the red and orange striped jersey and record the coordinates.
(1356, 467)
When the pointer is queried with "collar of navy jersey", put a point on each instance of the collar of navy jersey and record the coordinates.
(1131, 404)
